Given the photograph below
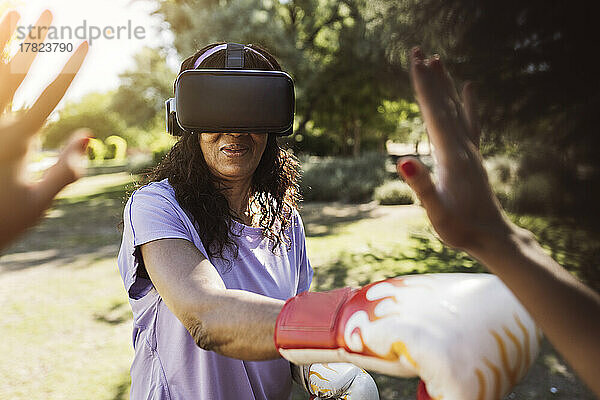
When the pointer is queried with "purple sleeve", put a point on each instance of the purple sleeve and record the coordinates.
(153, 216)
(306, 271)
(149, 215)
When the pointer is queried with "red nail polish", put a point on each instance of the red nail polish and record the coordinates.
(408, 168)
(422, 392)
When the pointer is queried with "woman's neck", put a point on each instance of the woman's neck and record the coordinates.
(238, 197)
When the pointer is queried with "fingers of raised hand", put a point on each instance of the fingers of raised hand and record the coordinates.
(15, 71)
(72, 155)
(471, 109)
(34, 118)
(7, 28)
(418, 178)
(439, 102)
(69, 167)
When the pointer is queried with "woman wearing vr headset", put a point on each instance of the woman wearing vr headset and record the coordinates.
(212, 247)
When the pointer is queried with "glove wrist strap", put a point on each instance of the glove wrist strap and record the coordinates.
(308, 321)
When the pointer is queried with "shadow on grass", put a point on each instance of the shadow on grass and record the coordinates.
(429, 255)
(116, 314)
(324, 219)
(77, 230)
(80, 257)
(121, 391)
(426, 255)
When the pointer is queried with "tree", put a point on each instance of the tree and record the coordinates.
(91, 112)
(143, 89)
(536, 88)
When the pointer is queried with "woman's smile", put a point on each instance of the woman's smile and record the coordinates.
(234, 149)
(233, 155)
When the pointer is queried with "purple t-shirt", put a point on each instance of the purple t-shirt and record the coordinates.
(167, 363)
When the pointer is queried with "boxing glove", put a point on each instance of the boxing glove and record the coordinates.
(465, 335)
(336, 381)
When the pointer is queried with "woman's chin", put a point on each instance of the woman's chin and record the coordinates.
(235, 174)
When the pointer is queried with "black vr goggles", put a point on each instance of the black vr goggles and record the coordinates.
(231, 99)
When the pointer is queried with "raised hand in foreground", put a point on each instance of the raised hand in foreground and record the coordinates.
(466, 215)
(23, 203)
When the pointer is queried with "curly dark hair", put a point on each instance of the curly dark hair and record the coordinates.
(275, 184)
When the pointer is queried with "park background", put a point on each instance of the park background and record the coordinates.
(66, 325)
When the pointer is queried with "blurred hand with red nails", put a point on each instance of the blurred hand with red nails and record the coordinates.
(466, 214)
(22, 203)
(460, 204)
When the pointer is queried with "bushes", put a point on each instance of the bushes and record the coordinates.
(96, 150)
(342, 179)
(394, 192)
(364, 178)
(116, 148)
(523, 189)
(113, 148)
(502, 173)
(91, 112)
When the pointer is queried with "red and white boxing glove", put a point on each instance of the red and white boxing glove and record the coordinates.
(465, 335)
(335, 381)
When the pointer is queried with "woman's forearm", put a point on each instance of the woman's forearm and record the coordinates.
(234, 323)
(237, 324)
(565, 309)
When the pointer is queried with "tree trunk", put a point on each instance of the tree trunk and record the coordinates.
(356, 137)
(345, 140)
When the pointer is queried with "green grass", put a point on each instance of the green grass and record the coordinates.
(61, 337)
(66, 323)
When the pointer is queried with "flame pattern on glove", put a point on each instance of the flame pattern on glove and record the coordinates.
(465, 335)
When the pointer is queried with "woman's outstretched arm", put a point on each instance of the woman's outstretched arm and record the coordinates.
(233, 323)
(466, 215)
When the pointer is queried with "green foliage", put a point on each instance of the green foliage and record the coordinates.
(342, 179)
(91, 112)
(143, 90)
(133, 112)
(523, 185)
(116, 148)
(529, 94)
(502, 175)
(394, 192)
(155, 142)
(96, 150)
(403, 121)
(533, 194)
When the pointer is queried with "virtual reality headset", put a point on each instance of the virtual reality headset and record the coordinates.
(231, 100)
